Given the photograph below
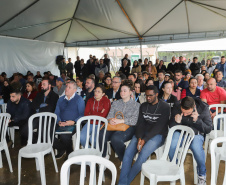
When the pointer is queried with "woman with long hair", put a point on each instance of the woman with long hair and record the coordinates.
(31, 91)
(176, 92)
(161, 66)
(139, 93)
(192, 90)
(130, 110)
(99, 105)
(136, 67)
(209, 67)
(151, 69)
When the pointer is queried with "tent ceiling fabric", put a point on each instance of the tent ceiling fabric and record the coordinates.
(113, 22)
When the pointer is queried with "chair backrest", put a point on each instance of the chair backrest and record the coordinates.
(222, 117)
(4, 121)
(92, 161)
(46, 125)
(213, 147)
(94, 119)
(217, 106)
(184, 141)
(4, 106)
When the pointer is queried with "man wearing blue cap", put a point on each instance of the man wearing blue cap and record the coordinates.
(60, 87)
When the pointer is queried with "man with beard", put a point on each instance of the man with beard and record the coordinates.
(151, 131)
(45, 101)
(19, 109)
(89, 92)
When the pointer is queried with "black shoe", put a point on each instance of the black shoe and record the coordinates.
(60, 154)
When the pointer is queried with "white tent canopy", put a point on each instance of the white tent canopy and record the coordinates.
(83, 23)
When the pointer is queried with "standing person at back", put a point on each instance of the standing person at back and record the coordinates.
(69, 68)
(221, 66)
(173, 66)
(125, 69)
(182, 65)
(77, 65)
(195, 66)
(107, 62)
(128, 60)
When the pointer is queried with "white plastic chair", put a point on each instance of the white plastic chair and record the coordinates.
(92, 161)
(4, 106)
(164, 170)
(90, 148)
(4, 121)
(211, 135)
(217, 154)
(43, 145)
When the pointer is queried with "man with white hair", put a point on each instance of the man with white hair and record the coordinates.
(125, 69)
(128, 60)
(200, 79)
(69, 109)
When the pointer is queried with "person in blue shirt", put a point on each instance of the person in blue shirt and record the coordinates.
(221, 66)
(179, 81)
(219, 79)
(69, 109)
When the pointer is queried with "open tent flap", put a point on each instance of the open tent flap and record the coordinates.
(20, 55)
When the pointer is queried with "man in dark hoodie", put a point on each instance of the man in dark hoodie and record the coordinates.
(195, 114)
(152, 128)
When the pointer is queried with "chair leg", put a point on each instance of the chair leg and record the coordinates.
(224, 182)
(54, 161)
(42, 169)
(153, 180)
(1, 159)
(195, 170)
(8, 158)
(37, 165)
(74, 141)
(142, 179)
(173, 183)
(206, 145)
(12, 135)
(19, 169)
(217, 166)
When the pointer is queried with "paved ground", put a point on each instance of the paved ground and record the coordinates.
(32, 177)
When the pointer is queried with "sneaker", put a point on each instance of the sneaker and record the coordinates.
(201, 180)
(60, 154)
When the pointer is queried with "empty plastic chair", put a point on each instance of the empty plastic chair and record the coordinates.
(212, 134)
(47, 123)
(164, 170)
(92, 161)
(4, 121)
(217, 154)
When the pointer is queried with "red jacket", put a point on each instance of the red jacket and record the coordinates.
(31, 96)
(98, 108)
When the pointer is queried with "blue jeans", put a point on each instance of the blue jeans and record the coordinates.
(117, 138)
(1, 102)
(83, 134)
(129, 172)
(218, 121)
(196, 148)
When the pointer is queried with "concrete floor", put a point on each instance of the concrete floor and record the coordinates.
(32, 177)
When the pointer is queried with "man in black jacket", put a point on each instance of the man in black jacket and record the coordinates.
(114, 92)
(182, 65)
(19, 108)
(107, 61)
(173, 66)
(69, 68)
(179, 81)
(128, 60)
(195, 66)
(195, 114)
(152, 128)
(125, 69)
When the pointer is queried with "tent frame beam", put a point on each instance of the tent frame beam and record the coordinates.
(162, 17)
(76, 8)
(130, 21)
(207, 5)
(19, 13)
(51, 29)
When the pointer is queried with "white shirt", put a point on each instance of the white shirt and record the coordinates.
(70, 97)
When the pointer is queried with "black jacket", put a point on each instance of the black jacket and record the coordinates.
(69, 67)
(107, 62)
(109, 93)
(6, 93)
(82, 72)
(195, 68)
(172, 100)
(182, 67)
(162, 68)
(153, 120)
(183, 84)
(51, 101)
(125, 70)
(128, 62)
(86, 96)
(172, 67)
(204, 123)
(20, 111)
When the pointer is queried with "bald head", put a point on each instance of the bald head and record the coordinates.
(211, 84)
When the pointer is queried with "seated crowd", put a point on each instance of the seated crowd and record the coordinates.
(151, 97)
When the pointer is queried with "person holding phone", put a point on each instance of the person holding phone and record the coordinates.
(151, 131)
(194, 113)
